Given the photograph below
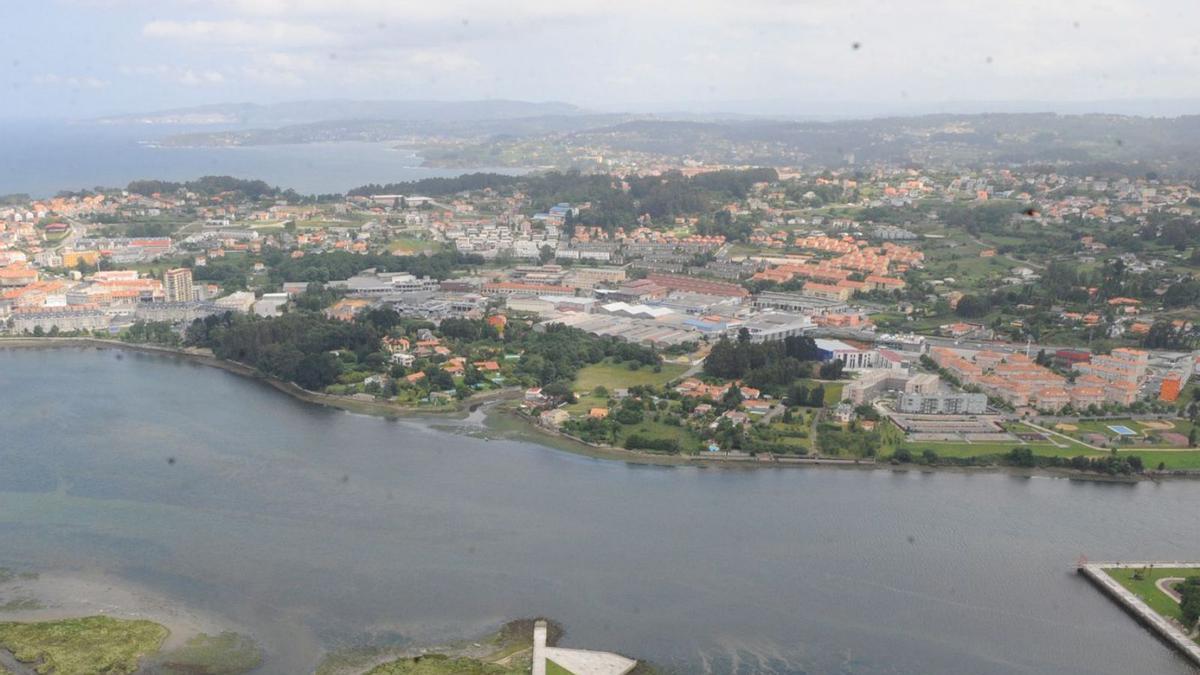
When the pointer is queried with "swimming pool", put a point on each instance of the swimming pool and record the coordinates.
(1122, 430)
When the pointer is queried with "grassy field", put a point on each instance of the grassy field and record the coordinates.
(1146, 590)
(963, 449)
(789, 434)
(651, 429)
(1179, 461)
(833, 390)
(1143, 440)
(618, 376)
(409, 245)
(553, 668)
(94, 644)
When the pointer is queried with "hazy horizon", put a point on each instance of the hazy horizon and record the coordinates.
(77, 59)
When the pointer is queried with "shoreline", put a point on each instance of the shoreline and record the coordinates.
(569, 443)
(204, 357)
(59, 595)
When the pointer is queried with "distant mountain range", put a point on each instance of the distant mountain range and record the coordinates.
(309, 112)
(518, 133)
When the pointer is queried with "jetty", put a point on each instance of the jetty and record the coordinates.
(1166, 629)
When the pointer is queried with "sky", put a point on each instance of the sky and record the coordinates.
(83, 58)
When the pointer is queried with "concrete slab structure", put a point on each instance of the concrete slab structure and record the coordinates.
(577, 661)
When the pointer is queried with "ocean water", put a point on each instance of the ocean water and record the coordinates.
(42, 158)
(320, 529)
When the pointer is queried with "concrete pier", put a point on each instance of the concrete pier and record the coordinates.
(539, 648)
(576, 661)
(1165, 629)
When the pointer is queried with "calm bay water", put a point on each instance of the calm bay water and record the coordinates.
(43, 158)
(320, 529)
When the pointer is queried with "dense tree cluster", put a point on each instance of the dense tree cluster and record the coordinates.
(769, 366)
(438, 187)
(296, 347)
(207, 186)
(611, 203)
(152, 332)
(1109, 464)
(557, 353)
(338, 265)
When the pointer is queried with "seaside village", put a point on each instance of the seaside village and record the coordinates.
(876, 382)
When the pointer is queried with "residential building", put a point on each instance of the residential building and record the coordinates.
(177, 285)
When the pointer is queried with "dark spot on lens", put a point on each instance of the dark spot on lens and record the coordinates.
(171, 460)
(912, 539)
(345, 478)
(333, 56)
(1120, 142)
(466, 22)
(381, 25)
(987, 60)
(855, 46)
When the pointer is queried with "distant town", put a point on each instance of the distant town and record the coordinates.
(1015, 317)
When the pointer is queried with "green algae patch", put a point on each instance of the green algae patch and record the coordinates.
(94, 644)
(438, 664)
(224, 654)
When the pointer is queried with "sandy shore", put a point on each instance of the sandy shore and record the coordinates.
(66, 595)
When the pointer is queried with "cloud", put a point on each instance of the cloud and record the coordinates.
(442, 61)
(236, 32)
(70, 81)
(179, 75)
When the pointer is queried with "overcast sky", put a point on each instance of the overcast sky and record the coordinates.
(78, 58)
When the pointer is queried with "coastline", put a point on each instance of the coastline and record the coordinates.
(205, 357)
(59, 595)
(531, 429)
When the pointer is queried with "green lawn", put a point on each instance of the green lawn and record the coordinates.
(553, 668)
(1146, 590)
(95, 644)
(964, 449)
(688, 441)
(411, 245)
(833, 390)
(618, 376)
(585, 403)
(1170, 460)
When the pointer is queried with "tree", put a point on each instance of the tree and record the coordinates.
(1189, 600)
(560, 390)
(832, 370)
(1021, 457)
(732, 397)
(816, 397)
(545, 254)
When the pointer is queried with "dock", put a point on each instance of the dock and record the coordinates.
(1165, 629)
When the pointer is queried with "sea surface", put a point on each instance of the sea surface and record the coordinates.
(42, 158)
(319, 529)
